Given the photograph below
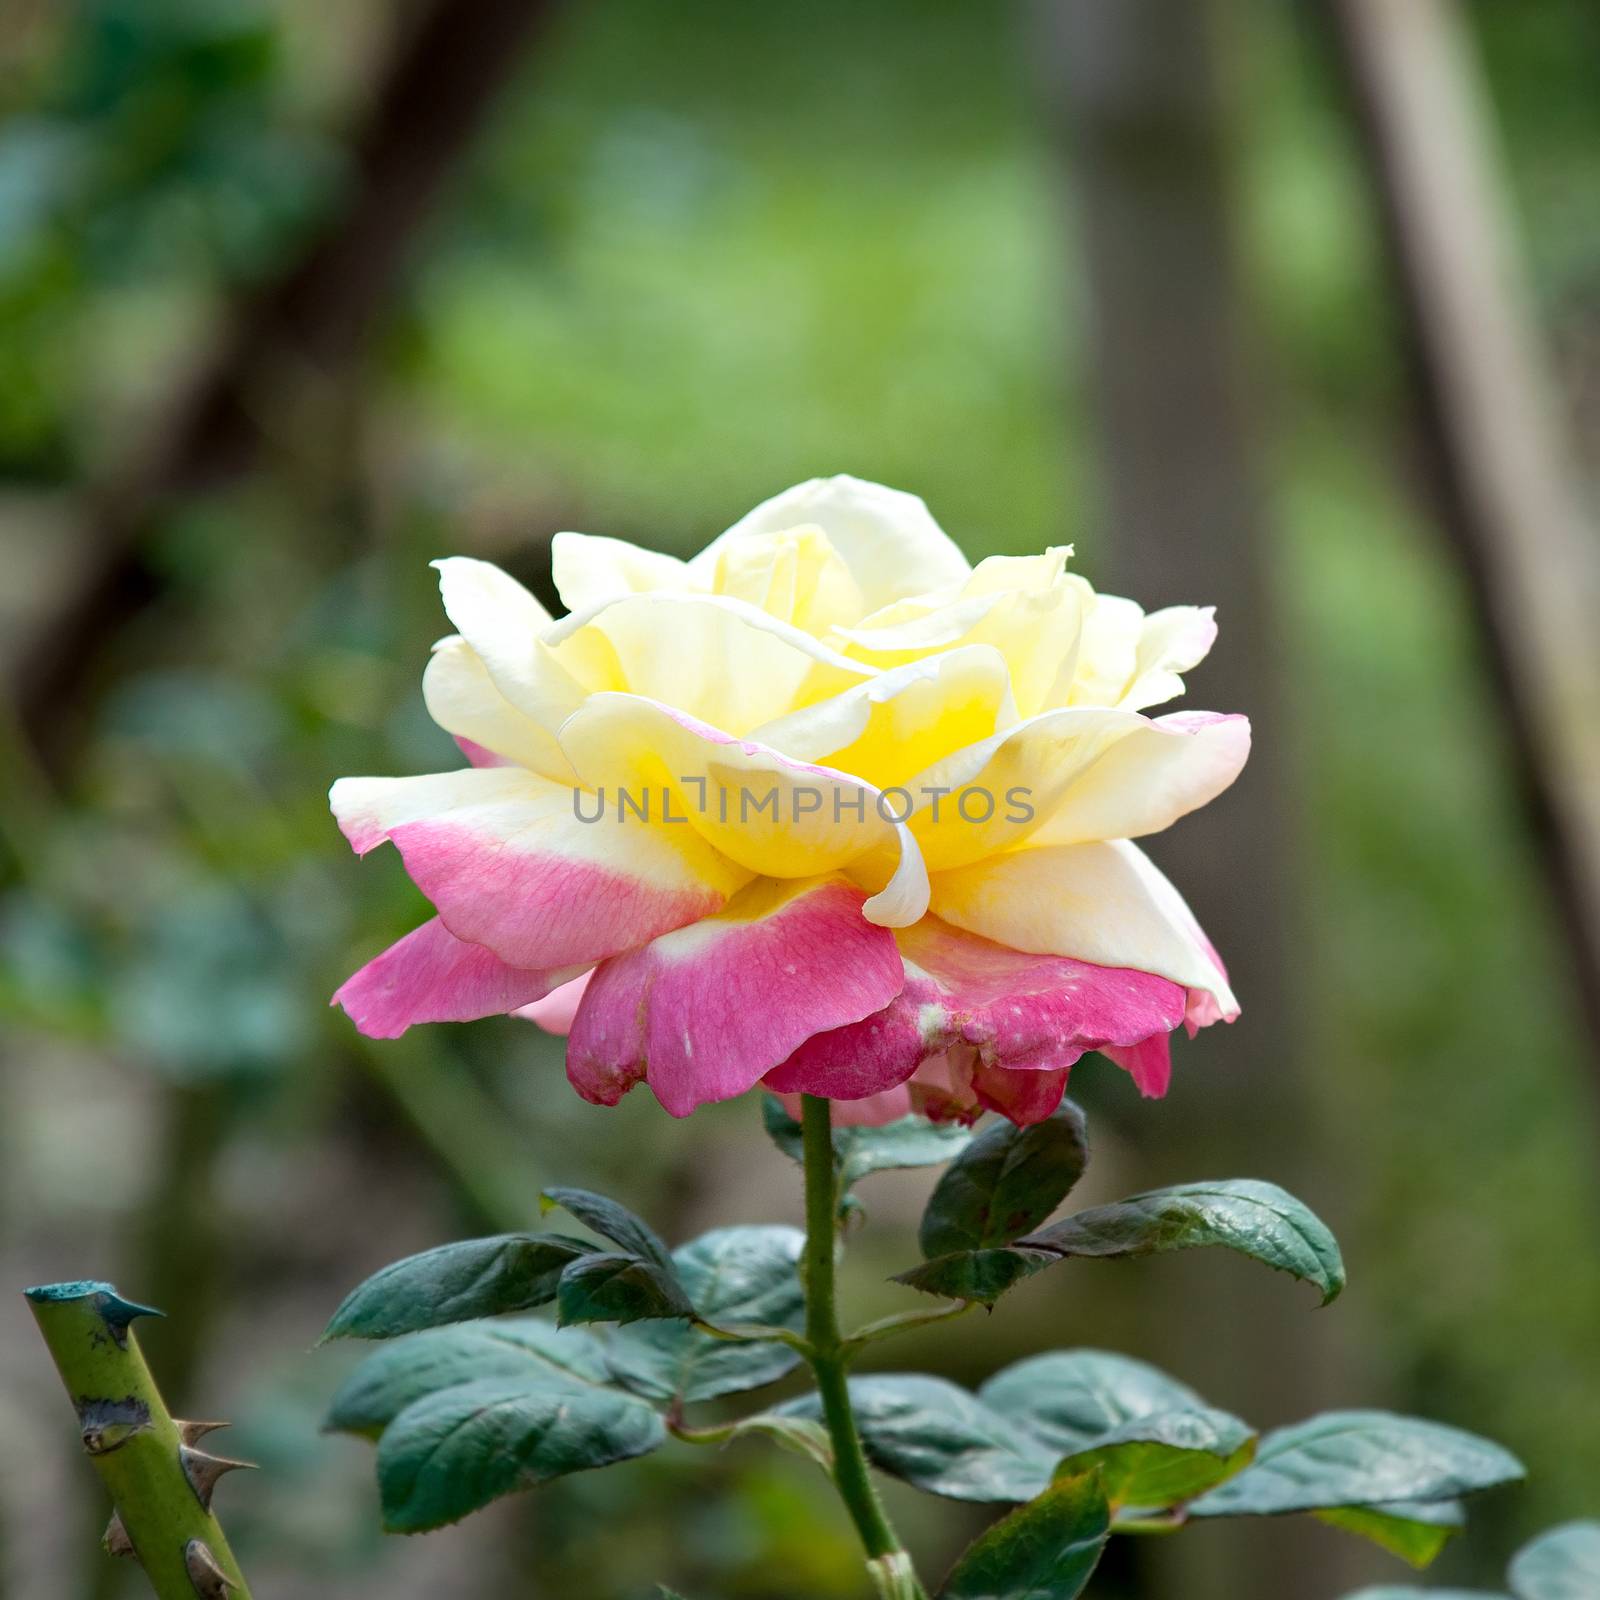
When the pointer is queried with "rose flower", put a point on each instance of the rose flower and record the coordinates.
(824, 808)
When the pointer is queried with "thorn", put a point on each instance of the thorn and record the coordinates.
(202, 1470)
(116, 1538)
(194, 1432)
(117, 1313)
(209, 1580)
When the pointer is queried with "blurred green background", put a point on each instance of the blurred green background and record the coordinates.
(691, 255)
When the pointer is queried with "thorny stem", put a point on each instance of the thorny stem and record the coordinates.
(828, 1355)
(160, 1480)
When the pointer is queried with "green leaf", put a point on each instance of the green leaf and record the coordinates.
(614, 1287)
(942, 1439)
(452, 1452)
(980, 1275)
(528, 1348)
(1563, 1564)
(1006, 1182)
(1166, 1458)
(456, 1282)
(731, 1276)
(1045, 1550)
(910, 1142)
(1256, 1219)
(1416, 1531)
(1359, 1458)
(611, 1221)
(1071, 1400)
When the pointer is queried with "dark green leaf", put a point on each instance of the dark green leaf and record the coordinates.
(980, 1275)
(1416, 1531)
(529, 1348)
(452, 1452)
(1166, 1458)
(1563, 1564)
(1006, 1182)
(910, 1142)
(1256, 1219)
(456, 1282)
(731, 1276)
(1045, 1550)
(1073, 1399)
(1358, 1458)
(618, 1288)
(611, 1221)
(942, 1439)
(782, 1129)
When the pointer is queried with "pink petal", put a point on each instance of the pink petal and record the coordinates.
(704, 1012)
(555, 1012)
(872, 1112)
(478, 756)
(1011, 1013)
(1148, 1063)
(432, 976)
(507, 860)
(1023, 1097)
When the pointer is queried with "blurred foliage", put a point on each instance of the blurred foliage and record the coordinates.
(703, 252)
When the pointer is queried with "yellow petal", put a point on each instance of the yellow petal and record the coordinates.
(1074, 775)
(772, 815)
(904, 721)
(1162, 770)
(717, 659)
(1026, 607)
(796, 576)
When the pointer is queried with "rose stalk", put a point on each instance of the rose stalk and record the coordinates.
(887, 1559)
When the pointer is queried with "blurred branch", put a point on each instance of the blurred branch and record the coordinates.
(1138, 88)
(311, 320)
(459, 1123)
(1497, 452)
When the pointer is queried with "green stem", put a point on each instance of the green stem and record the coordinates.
(159, 1479)
(887, 1559)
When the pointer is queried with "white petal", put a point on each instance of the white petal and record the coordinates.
(1105, 903)
(887, 538)
(504, 624)
(589, 568)
(465, 701)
